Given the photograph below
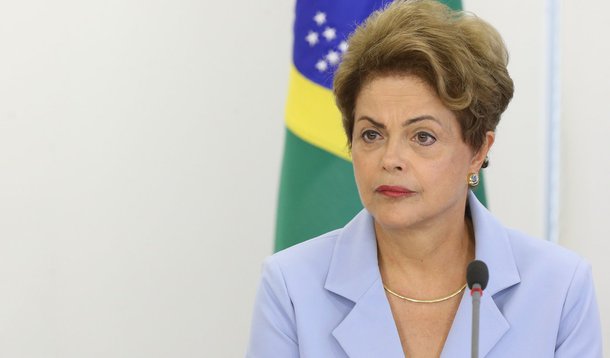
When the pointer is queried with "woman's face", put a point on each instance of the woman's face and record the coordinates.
(410, 161)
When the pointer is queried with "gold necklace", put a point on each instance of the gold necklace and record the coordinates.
(425, 301)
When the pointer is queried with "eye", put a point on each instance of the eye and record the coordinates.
(370, 135)
(424, 138)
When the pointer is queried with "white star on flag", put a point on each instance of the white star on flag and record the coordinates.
(321, 65)
(333, 57)
(320, 18)
(312, 38)
(329, 33)
(343, 46)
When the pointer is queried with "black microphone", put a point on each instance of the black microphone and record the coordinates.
(477, 276)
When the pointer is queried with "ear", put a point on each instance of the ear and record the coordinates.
(479, 156)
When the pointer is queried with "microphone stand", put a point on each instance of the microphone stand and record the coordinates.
(476, 292)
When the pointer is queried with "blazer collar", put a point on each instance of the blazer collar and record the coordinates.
(354, 267)
(369, 328)
(493, 248)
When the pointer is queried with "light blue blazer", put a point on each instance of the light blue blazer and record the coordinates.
(324, 298)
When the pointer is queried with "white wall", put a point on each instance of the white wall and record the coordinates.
(585, 165)
(140, 144)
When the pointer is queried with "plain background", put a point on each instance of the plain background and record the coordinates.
(140, 148)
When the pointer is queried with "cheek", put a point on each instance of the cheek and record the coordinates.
(458, 167)
(450, 171)
(365, 168)
(360, 169)
(362, 181)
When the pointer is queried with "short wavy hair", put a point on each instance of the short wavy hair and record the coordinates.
(459, 55)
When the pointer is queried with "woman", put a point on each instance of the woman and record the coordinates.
(421, 90)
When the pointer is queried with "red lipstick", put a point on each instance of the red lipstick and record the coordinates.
(394, 191)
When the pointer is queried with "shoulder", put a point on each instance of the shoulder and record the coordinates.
(563, 284)
(308, 260)
(309, 249)
(531, 248)
(548, 259)
(518, 256)
(288, 279)
(560, 277)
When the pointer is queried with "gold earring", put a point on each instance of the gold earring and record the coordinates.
(473, 179)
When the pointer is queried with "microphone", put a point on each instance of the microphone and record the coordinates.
(477, 276)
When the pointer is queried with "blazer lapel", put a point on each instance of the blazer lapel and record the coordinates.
(492, 327)
(368, 330)
(493, 248)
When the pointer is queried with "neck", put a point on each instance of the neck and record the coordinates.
(426, 261)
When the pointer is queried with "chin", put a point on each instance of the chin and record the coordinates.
(394, 219)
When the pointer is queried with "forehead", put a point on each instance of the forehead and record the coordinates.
(399, 96)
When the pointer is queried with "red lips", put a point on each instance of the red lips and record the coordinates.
(394, 191)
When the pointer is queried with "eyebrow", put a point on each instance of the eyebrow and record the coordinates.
(405, 123)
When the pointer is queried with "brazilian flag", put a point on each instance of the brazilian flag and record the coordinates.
(317, 188)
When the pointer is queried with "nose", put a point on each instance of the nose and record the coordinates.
(393, 157)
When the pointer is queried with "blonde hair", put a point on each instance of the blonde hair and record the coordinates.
(461, 56)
